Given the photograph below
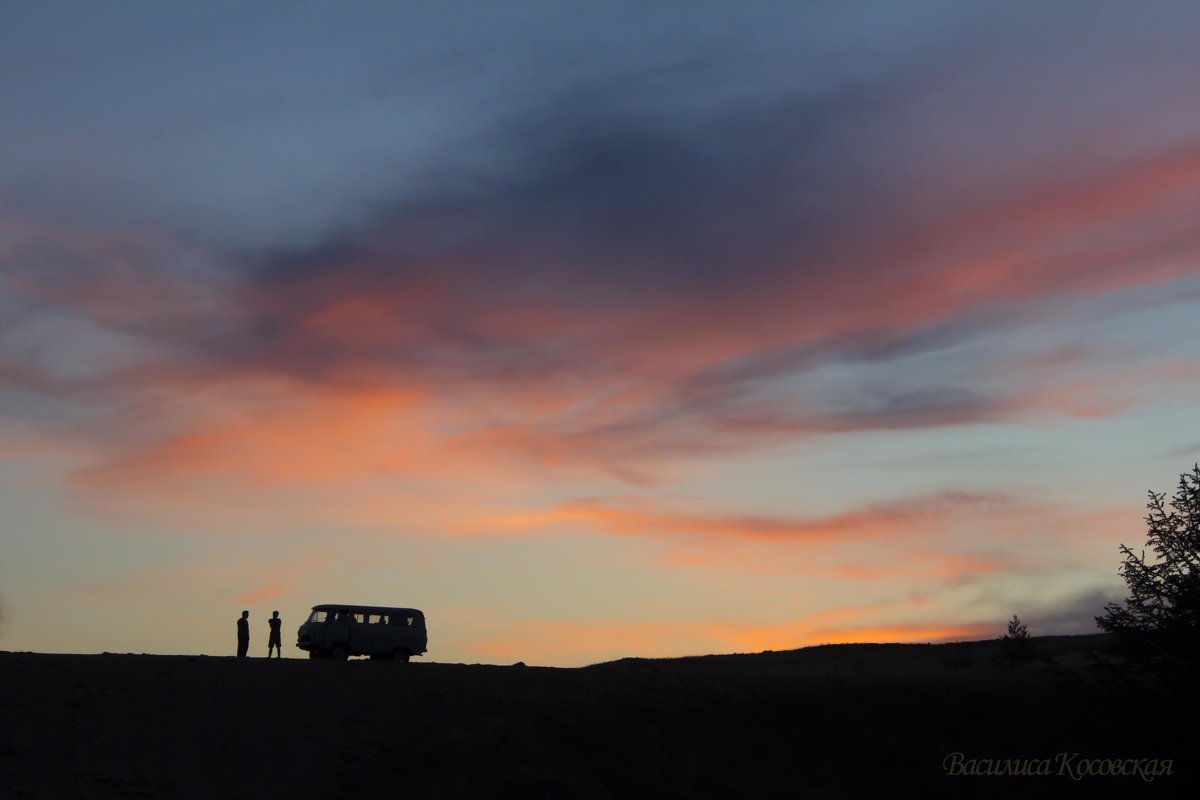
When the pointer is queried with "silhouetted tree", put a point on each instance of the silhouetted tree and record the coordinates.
(1163, 607)
(1016, 645)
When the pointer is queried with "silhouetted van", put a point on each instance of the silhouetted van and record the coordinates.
(336, 631)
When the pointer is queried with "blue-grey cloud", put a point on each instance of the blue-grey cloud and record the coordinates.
(785, 195)
(1076, 615)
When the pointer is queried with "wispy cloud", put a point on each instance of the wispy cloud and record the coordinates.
(634, 268)
(916, 516)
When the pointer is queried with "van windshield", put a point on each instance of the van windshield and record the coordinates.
(318, 616)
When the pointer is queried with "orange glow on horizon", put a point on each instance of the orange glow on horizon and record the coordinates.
(548, 641)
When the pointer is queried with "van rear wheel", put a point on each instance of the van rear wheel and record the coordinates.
(400, 654)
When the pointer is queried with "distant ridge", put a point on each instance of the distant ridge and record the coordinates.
(892, 654)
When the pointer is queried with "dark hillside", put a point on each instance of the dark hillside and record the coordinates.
(833, 721)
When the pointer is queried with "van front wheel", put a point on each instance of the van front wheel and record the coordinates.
(338, 653)
(400, 654)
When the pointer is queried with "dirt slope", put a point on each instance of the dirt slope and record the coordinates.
(852, 720)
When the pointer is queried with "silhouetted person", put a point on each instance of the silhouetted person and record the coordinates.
(273, 640)
(243, 634)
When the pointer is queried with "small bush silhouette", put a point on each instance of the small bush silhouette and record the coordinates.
(1016, 646)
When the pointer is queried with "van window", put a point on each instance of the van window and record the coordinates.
(319, 616)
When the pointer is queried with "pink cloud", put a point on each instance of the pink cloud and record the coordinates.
(364, 366)
(633, 516)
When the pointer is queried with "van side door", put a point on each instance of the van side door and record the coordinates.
(337, 629)
(358, 632)
(369, 635)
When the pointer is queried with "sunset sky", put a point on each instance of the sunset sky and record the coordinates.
(592, 330)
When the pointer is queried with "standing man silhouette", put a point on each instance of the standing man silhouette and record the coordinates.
(243, 625)
(273, 640)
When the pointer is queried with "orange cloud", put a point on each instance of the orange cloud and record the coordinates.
(304, 435)
(268, 591)
(632, 516)
(940, 565)
(272, 576)
(362, 370)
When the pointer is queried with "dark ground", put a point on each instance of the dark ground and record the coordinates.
(833, 721)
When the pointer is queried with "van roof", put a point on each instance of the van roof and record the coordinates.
(368, 609)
